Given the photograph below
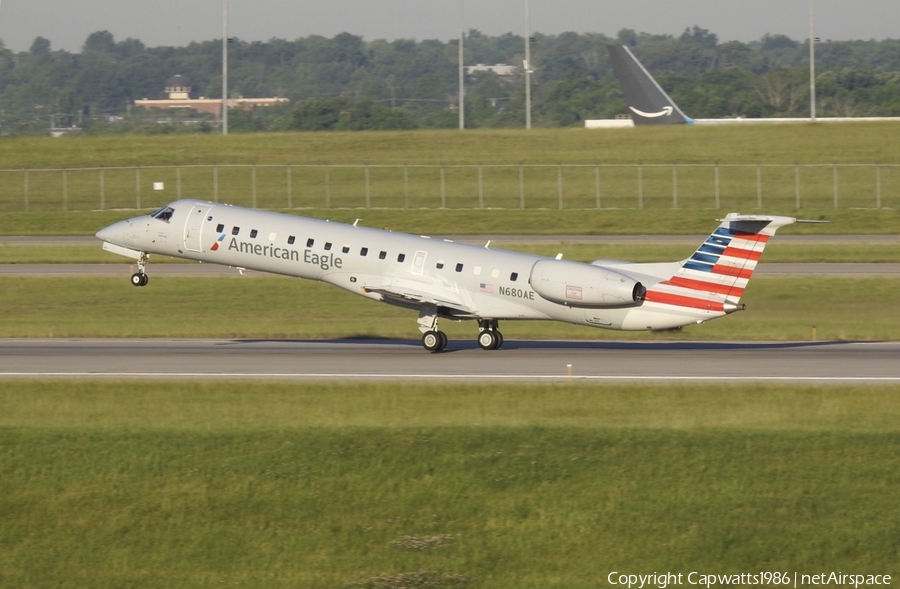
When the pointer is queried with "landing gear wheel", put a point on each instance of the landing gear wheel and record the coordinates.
(140, 277)
(434, 341)
(490, 339)
(487, 340)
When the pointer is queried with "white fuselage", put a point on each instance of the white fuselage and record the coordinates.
(461, 281)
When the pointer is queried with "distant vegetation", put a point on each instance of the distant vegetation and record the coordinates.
(348, 83)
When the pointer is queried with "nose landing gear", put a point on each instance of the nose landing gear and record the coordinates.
(140, 277)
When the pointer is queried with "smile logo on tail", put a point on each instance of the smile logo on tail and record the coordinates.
(666, 111)
(215, 246)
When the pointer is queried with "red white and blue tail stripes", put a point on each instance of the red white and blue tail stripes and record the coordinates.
(714, 277)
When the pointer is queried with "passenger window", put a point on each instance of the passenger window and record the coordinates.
(272, 236)
(514, 276)
(346, 249)
(477, 270)
(235, 230)
(327, 246)
(440, 265)
(495, 273)
(401, 257)
(310, 242)
(459, 267)
(253, 233)
(364, 251)
(220, 228)
(382, 255)
(291, 240)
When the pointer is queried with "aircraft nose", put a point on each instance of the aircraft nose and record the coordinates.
(114, 233)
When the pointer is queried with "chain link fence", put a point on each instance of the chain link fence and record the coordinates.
(560, 186)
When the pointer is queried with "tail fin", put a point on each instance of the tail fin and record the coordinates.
(714, 277)
(649, 104)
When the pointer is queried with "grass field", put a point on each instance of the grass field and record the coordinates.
(174, 484)
(169, 484)
(855, 148)
(504, 222)
(783, 145)
(756, 144)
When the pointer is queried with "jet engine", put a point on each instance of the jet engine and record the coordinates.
(582, 285)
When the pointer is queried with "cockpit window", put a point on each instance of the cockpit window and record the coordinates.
(163, 214)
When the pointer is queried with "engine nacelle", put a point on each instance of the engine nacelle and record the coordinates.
(582, 285)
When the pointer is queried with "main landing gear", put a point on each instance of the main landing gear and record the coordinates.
(140, 277)
(434, 340)
(489, 336)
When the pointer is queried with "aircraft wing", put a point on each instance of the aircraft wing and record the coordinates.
(416, 295)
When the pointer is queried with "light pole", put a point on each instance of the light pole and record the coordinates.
(527, 66)
(812, 65)
(224, 67)
(462, 77)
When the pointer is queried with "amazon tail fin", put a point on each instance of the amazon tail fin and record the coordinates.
(714, 277)
(647, 102)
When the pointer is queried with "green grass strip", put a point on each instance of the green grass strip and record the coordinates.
(665, 221)
(851, 143)
(779, 309)
(194, 485)
(213, 406)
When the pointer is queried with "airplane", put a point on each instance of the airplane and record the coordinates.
(441, 279)
(648, 103)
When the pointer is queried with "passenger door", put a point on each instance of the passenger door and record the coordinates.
(193, 228)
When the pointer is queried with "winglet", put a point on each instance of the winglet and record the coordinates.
(647, 101)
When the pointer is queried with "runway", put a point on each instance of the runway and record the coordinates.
(405, 360)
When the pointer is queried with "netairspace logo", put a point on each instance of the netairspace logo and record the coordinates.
(774, 579)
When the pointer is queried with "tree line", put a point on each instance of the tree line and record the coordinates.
(348, 83)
